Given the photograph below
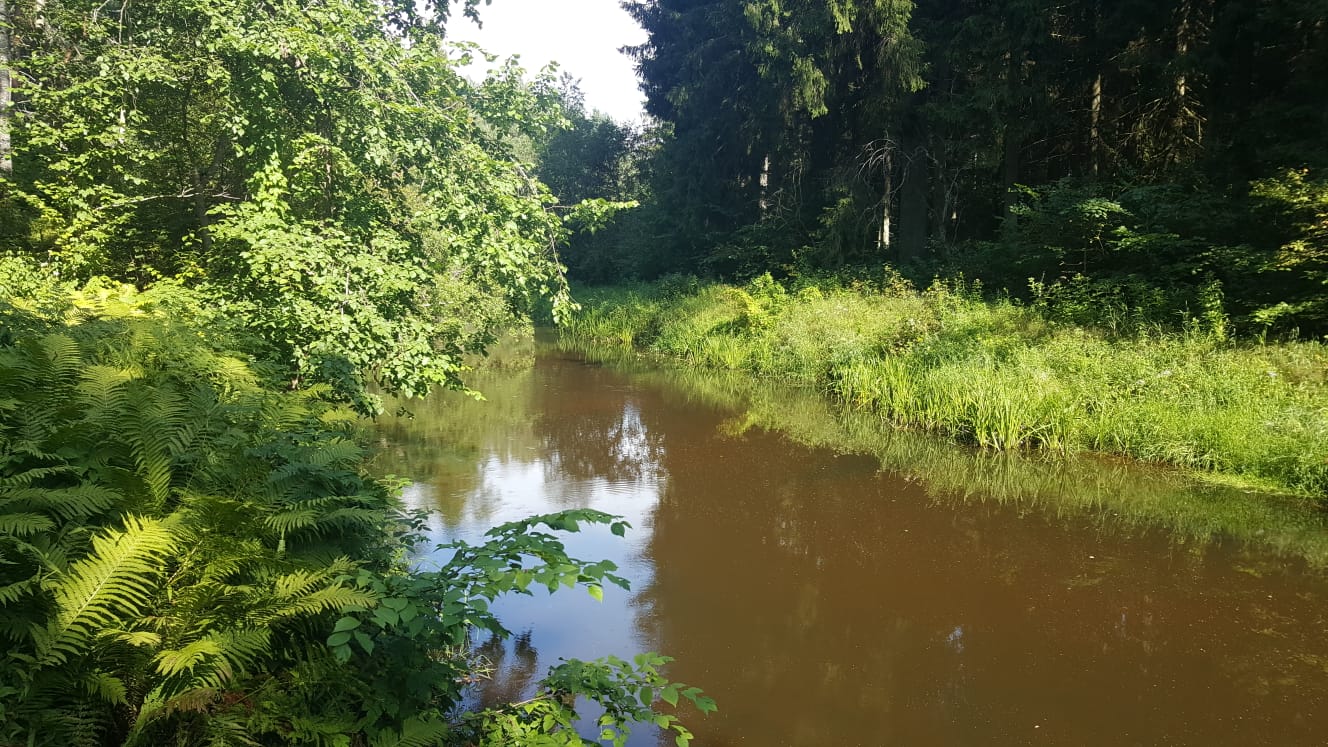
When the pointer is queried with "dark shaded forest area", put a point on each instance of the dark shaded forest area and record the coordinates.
(1120, 154)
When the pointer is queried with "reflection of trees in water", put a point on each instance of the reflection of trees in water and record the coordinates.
(449, 440)
(592, 426)
(445, 432)
(513, 670)
(1121, 495)
(617, 447)
(959, 600)
(832, 604)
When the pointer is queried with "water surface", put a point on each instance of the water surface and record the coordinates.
(832, 582)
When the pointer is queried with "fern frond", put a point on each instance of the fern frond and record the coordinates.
(287, 522)
(63, 358)
(232, 373)
(306, 592)
(328, 599)
(158, 416)
(338, 451)
(351, 517)
(20, 369)
(27, 477)
(25, 524)
(137, 638)
(102, 391)
(105, 686)
(67, 504)
(175, 662)
(12, 593)
(112, 584)
(160, 704)
(195, 673)
(294, 585)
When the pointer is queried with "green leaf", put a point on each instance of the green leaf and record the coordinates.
(365, 642)
(346, 623)
(596, 591)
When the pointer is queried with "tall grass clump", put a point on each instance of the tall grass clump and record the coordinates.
(1003, 375)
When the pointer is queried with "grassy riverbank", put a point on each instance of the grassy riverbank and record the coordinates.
(999, 374)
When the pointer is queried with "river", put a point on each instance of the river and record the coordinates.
(832, 582)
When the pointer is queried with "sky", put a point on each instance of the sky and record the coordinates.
(583, 36)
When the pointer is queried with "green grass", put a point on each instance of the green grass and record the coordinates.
(998, 374)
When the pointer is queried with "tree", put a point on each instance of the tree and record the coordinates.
(312, 166)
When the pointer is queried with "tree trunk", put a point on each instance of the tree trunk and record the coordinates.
(887, 215)
(201, 215)
(1182, 48)
(6, 93)
(942, 205)
(1010, 143)
(763, 200)
(1187, 123)
(1095, 127)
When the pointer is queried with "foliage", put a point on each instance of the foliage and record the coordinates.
(1152, 148)
(309, 167)
(189, 555)
(594, 157)
(1003, 375)
(1300, 201)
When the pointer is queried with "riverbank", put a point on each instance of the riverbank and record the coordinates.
(999, 374)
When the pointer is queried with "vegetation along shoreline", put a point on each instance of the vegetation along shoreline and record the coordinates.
(998, 373)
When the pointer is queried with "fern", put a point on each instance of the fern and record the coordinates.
(63, 359)
(25, 524)
(102, 392)
(105, 686)
(212, 661)
(66, 504)
(159, 415)
(114, 583)
(176, 544)
(26, 477)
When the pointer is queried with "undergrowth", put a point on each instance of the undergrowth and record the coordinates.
(191, 553)
(997, 373)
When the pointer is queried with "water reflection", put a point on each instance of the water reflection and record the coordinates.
(890, 590)
(1123, 496)
(866, 611)
(562, 436)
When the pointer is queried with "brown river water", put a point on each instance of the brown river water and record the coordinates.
(832, 582)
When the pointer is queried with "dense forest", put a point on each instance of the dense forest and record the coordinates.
(1129, 153)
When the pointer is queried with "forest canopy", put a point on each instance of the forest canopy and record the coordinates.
(320, 170)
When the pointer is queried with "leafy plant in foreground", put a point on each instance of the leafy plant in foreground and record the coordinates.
(188, 556)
